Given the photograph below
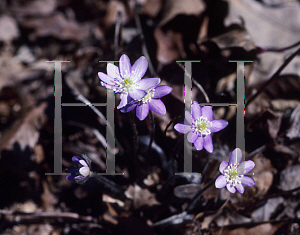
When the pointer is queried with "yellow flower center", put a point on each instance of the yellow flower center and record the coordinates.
(202, 125)
(233, 175)
(128, 82)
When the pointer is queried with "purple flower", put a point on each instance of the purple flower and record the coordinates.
(82, 171)
(233, 173)
(149, 101)
(127, 80)
(201, 126)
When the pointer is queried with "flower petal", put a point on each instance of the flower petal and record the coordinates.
(240, 188)
(220, 182)
(230, 188)
(76, 160)
(188, 117)
(124, 100)
(83, 163)
(207, 112)
(137, 94)
(223, 166)
(196, 110)
(246, 166)
(106, 79)
(139, 68)
(236, 156)
(208, 144)
(147, 83)
(191, 137)
(71, 178)
(142, 111)
(217, 125)
(157, 106)
(113, 71)
(85, 171)
(125, 66)
(184, 129)
(72, 171)
(161, 91)
(247, 181)
(199, 143)
(129, 107)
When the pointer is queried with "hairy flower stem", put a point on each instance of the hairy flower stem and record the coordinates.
(152, 131)
(135, 133)
(196, 197)
(110, 184)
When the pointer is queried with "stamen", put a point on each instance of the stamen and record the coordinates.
(201, 126)
(233, 175)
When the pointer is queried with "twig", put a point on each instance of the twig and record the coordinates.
(281, 49)
(275, 75)
(140, 31)
(117, 33)
(196, 83)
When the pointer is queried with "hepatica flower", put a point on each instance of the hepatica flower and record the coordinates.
(150, 101)
(201, 126)
(233, 173)
(82, 171)
(128, 80)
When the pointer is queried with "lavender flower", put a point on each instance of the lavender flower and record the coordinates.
(233, 173)
(82, 171)
(127, 80)
(149, 101)
(201, 126)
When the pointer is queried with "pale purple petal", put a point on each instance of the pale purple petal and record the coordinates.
(142, 111)
(85, 171)
(124, 100)
(230, 188)
(147, 83)
(245, 167)
(106, 79)
(78, 177)
(196, 110)
(76, 160)
(208, 144)
(220, 182)
(191, 137)
(113, 71)
(207, 112)
(199, 143)
(184, 129)
(217, 125)
(157, 106)
(188, 117)
(161, 91)
(139, 68)
(247, 181)
(223, 166)
(240, 188)
(83, 162)
(137, 94)
(125, 66)
(236, 156)
(129, 107)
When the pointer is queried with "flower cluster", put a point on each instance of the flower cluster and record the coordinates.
(135, 91)
(201, 126)
(233, 173)
(82, 171)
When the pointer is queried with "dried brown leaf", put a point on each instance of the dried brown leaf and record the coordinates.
(25, 130)
(173, 8)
